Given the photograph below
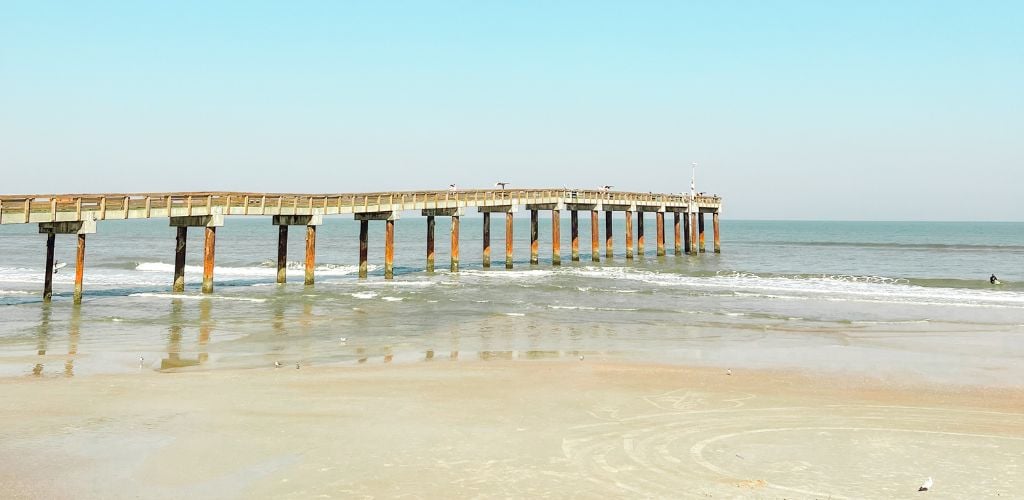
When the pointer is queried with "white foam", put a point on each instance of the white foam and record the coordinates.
(364, 295)
(392, 299)
(194, 297)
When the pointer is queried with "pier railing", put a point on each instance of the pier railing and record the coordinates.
(25, 209)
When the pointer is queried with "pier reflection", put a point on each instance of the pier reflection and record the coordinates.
(42, 338)
(174, 358)
(74, 330)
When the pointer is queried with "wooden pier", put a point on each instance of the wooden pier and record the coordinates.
(79, 214)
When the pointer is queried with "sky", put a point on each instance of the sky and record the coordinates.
(844, 110)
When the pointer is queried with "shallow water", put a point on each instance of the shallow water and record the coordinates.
(852, 296)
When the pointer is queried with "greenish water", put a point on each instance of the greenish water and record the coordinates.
(862, 296)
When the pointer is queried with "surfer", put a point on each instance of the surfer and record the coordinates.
(992, 279)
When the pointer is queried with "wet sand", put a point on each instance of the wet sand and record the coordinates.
(586, 429)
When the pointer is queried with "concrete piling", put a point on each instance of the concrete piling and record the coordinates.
(310, 253)
(534, 256)
(595, 250)
(556, 238)
(486, 261)
(714, 224)
(79, 269)
(455, 243)
(700, 230)
(430, 243)
(508, 240)
(640, 233)
(209, 249)
(364, 232)
(629, 234)
(179, 260)
(282, 253)
(693, 233)
(678, 250)
(389, 249)
(48, 279)
(609, 245)
(659, 222)
(574, 222)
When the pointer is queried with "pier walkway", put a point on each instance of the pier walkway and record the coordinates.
(80, 214)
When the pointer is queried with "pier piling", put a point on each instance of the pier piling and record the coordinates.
(677, 249)
(556, 238)
(595, 249)
(486, 261)
(693, 233)
(389, 248)
(629, 235)
(609, 245)
(282, 253)
(659, 222)
(534, 256)
(48, 279)
(209, 249)
(430, 243)
(310, 253)
(364, 232)
(179, 260)
(508, 240)
(574, 222)
(714, 224)
(455, 243)
(79, 269)
(640, 233)
(700, 230)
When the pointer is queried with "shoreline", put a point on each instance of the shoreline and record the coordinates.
(506, 428)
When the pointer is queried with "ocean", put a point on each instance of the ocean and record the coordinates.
(869, 298)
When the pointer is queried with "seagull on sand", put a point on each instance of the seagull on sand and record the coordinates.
(927, 485)
(728, 372)
(296, 365)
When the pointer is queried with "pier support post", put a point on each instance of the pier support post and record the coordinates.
(678, 250)
(79, 268)
(430, 243)
(534, 257)
(210, 223)
(48, 279)
(693, 233)
(508, 240)
(574, 221)
(595, 249)
(179, 260)
(487, 240)
(659, 222)
(686, 233)
(640, 233)
(609, 245)
(209, 250)
(364, 246)
(282, 222)
(310, 253)
(714, 224)
(556, 238)
(455, 243)
(282, 253)
(700, 229)
(629, 234)
(389, 249)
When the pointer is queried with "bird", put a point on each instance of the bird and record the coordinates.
(296, 365)
(141, 360)
(343, 339)
(277, 364)
(452, 188)
(581, 357)
(927, 485)
(607, 187)
(728, 372)
(501, 184)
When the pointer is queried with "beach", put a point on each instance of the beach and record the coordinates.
(502, 428)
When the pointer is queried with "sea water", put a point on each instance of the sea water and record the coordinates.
(867, 297)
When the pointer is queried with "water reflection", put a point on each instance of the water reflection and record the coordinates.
(42, 338)
(175, 335)
(74, 329)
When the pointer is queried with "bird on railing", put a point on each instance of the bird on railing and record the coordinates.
(452, 188)
(607, 187)
(501, 185)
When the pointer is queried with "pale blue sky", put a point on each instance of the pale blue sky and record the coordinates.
(806, 110)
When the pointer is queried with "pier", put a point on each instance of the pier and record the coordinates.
(80, 215)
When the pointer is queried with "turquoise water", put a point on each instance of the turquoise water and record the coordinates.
(861, 296)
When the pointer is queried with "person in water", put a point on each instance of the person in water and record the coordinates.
(992, 279)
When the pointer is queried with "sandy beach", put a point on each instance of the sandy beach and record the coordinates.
(591, 428)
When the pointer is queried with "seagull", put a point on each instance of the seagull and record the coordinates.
(277, 364)
(296, 365)
(607, 187)
(927, 485)
(343, 339)
(141, 359)
(581, 357)
(452, 188)
(728, 372)
(501, 184)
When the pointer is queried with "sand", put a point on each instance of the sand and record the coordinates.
(505, 428)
